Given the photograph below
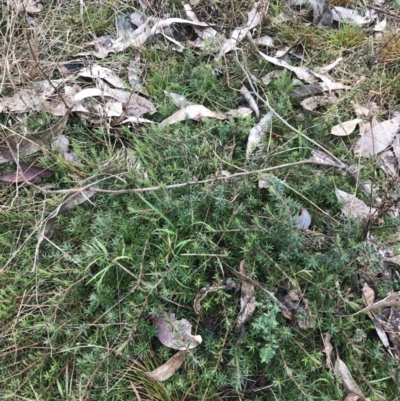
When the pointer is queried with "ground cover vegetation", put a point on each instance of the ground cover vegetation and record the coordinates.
(84, 287)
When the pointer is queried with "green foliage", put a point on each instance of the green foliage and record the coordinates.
(79, 326)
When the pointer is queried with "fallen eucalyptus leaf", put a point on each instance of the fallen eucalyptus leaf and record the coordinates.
(175, 334)
(322, 13)
(322, 158)
(368, 295)
(380, 26)
(179, 100)
(96, 71)
(194, 112)
(165, 371)
(24, 145)
(254, 17)
(302, 73)
(353, 207)
(377, 139)
(250, 100)
(345, 128)
(325, 69)
(30, 6)
(315, 88)
(247, 300)
(267, 78)
(257, 132)
(27, 172)
(304, 220)
(343, 14)
(343, 374)
(326, 339)
(61, 144)
(266, 41)
(311, 103)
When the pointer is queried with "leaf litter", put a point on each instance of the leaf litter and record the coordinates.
(247, 301)
(116, 104)
(175, 334)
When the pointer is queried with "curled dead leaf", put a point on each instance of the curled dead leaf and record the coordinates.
(368, 294)
(345, 128)
(250, 100)
(311, 103)
(193, 112)
(304, 220)
(257, 132)
(165, 371)
(343, 374)
(377, 139)
(247, 300)
(326, 338)
(175, 334)
(353, 207)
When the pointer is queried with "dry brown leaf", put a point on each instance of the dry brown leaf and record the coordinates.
(257, 132)
(353, 207)
(315, 88)
(377, 139)
(326, 339)
(165, 371)
(26, 144)
(179, 100)
(204, 33)
(194, 112)
(311, 103)
(254, 18)
(247, 300)
(250, 100)
(30, 6)
(322, 13)
(265, 40)
(343, 14)
(213, 288)
(321, 158)
(240, 112)
(302, 73)
(267, 78)
(61, 144)
(368, 295)
(345, 128)
(343, 374)
(325, 69)
(175, 334)
(361, 111)
(96, 71)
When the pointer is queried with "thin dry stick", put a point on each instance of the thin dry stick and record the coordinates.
(172, 186)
